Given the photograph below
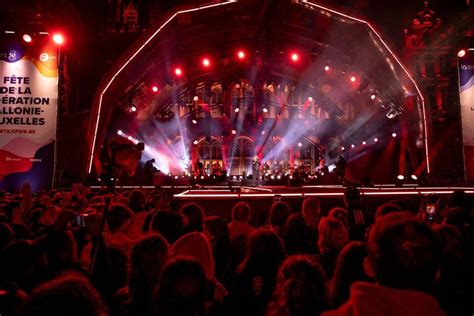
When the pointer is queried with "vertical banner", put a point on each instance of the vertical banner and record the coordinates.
(466, 94)
(28, 113)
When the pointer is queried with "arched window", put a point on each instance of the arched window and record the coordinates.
(210, 148)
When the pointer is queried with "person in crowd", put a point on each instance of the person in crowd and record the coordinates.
(259, 217)
(311, 210)
(137, 203)
(118, 220)
(68, 294)
(217, 232)
(349, 269)
(386, 208)
(240, 220)
(7, 235)
(340, 214)
(300, 289)
(255, 281)
(279, 213)
(358, 219)
(333, 237)
(403, 256)
(197, 246)
(296, 237)
(182, 289)
(149, 256)
(452, 284)
(168, 224)
(193, 216)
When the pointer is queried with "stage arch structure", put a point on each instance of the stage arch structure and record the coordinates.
(345, 84)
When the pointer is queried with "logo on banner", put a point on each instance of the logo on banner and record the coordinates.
(12, 55)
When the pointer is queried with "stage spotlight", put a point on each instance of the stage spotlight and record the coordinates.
(196, 98)
(44, 57)
(234, 132)
(240, 54)
(343, 148)
(414, 177)
(372, 97)
(376, 139)
(133, 108)
(295, 57)
(300, 144)
(119, 132)
(236, 110)
(194, 121)
(462, 53)
(327, 68)
(364, 143)
(394, 135)
(195, 142)
(58, 39)
(27, 38)
(263, 133)
(178, 71)
(352, 146)
(400, 177)
(272, 177)
(310, 99)
(353, 79)
(154, 89)
(130, 138)
(206, 62)
(265, 110)
(176, 177)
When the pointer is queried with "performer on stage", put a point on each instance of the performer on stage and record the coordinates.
(341, 165)
(256, 169)
(149, 170)
(198, 168)
(216, 169)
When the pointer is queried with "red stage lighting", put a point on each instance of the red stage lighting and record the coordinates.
(206, 62)
(327, 68)
(178, 71)
(154, 89)
(461, 53)
(295, 57)
(240, 54)
(364, 143)
(236, 110)
(58, 39)
(195, 142)
(234, 132)
(133, 108)
(353, 79)
(376, 139)
(310, 99)
(373, 96)
(394, 135)
(27, 38)
(265, 110)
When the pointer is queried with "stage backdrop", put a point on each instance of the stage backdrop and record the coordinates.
(28, 113)
(466, 81)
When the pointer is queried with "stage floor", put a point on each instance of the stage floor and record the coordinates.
(221, 192)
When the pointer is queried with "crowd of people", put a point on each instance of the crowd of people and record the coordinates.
(137, 253)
